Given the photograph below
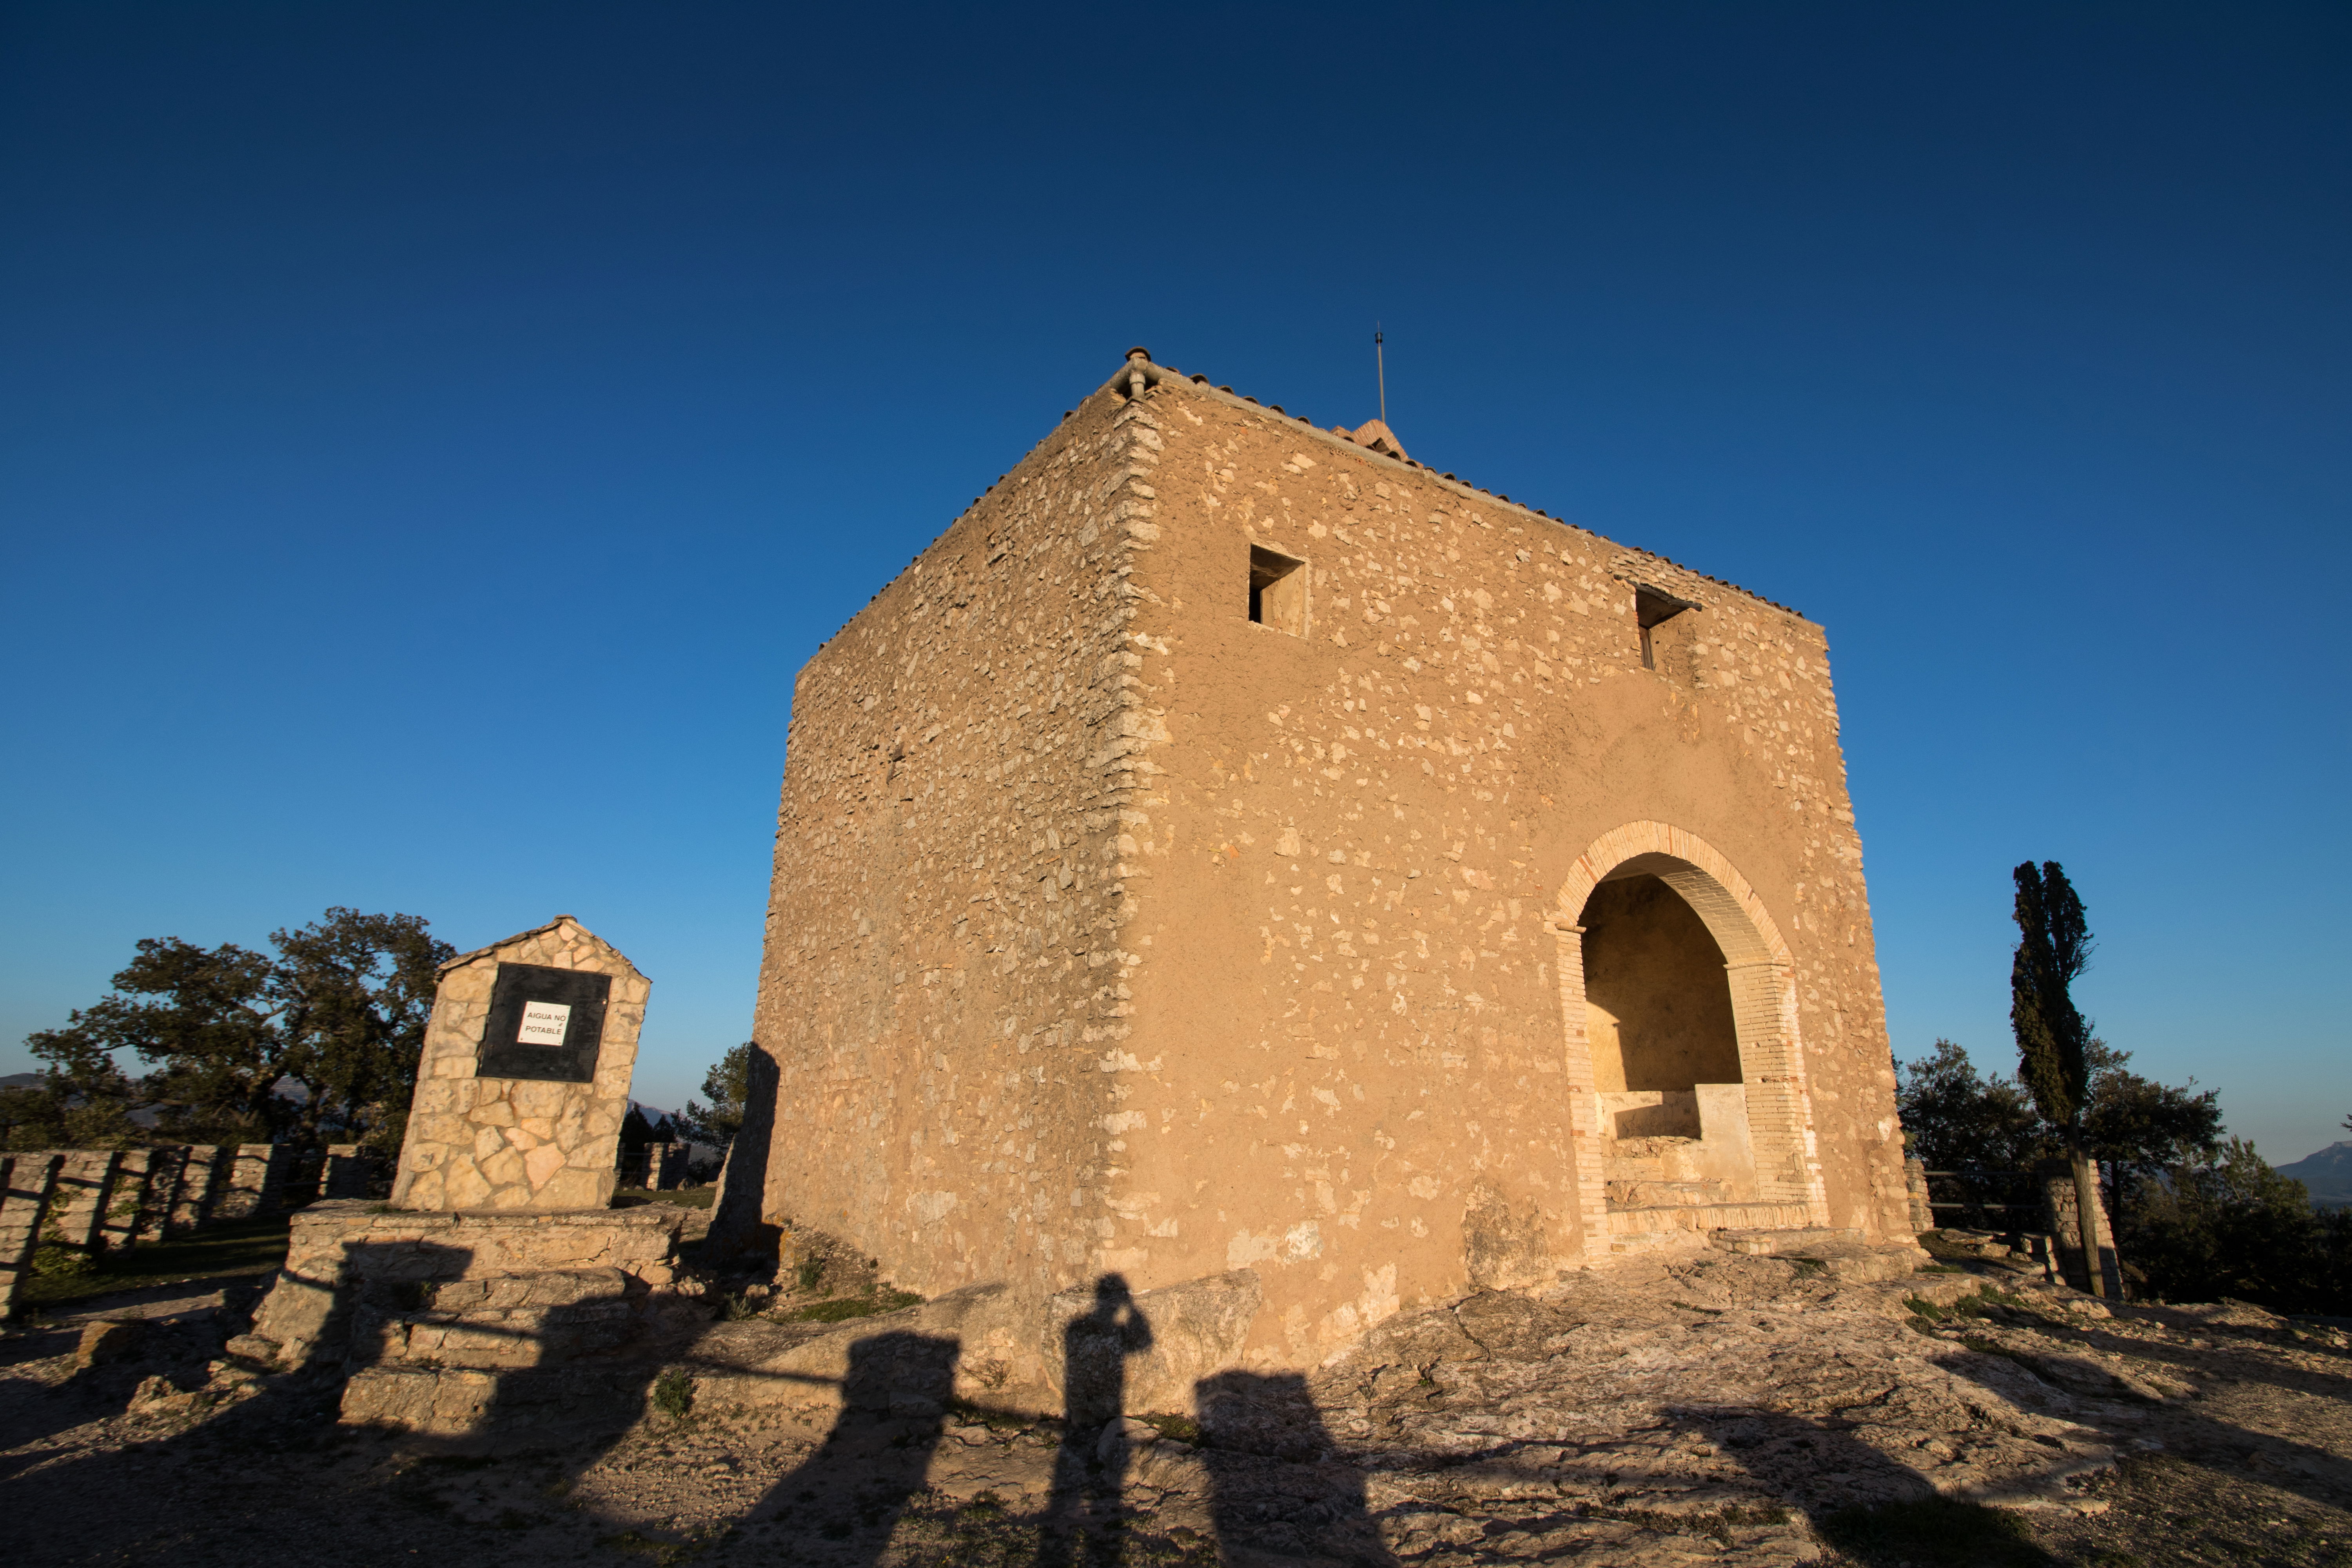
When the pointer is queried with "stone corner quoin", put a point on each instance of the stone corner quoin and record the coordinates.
(1230, 847)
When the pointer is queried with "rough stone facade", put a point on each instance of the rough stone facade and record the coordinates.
(1186, 866)
(477, 1140)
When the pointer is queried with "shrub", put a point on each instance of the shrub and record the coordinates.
(674, 1394)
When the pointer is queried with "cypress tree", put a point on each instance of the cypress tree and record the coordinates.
(2054, 948)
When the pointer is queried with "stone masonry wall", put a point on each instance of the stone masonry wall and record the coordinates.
(502, 1143)
(943, 973)
(1346, 1070)
(1111, 932)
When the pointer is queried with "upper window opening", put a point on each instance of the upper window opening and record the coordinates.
(1651, 609)
(1278, 591)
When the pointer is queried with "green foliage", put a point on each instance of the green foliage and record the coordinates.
(843, 1308)
(2235, 1227)
(674, 1394)
(2053, 947)
(339, 1012)
(728, 1084)
(52, 1261)
(71, 1110)
(1956, 1118)
(1177, 1428)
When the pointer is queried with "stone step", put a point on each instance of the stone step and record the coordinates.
(1663, 1195)
(1706, 1217)
(1837, 1251)
(1779, 1241)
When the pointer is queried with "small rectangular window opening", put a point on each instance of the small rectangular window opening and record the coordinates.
(1653, 608)
(1278, 591)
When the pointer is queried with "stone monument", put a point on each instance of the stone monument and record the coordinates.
(500, 1260)
(525, 1076)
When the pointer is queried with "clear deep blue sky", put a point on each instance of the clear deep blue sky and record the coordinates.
(432, 436)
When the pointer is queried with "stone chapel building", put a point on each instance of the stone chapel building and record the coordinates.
(1233, 845)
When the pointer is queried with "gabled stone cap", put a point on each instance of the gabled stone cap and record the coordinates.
(464, 958)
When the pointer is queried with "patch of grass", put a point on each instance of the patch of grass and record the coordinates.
(686, 1198)
(1941, 1268)
(1693, 1306)
(1180, 1429)
(811, 1270)
(1926, 1314)
(736, 1307)
(984, 1415)
(232, 1249)
(673, 1395)
(841, 1309)
(1808, 1265)
(55, 1261)
(1934, 1532)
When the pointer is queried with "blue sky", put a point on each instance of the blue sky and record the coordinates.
(432, 436)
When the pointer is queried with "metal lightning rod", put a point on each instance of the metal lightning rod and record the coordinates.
(1380, 366)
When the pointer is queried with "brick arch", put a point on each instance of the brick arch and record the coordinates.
(1762, 972)
(1693, 868)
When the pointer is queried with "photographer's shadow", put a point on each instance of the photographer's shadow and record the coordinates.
(1085, 1515)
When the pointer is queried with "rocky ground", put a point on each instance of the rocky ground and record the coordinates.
(1714, 1409)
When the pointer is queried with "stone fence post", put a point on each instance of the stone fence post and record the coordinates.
(165, 1169)
(26, 1181)
(192, 1206)
(1915, 1177)
(126, 1200)
(346, 1175)
(255, 1183)
(78, 1198)
(2058, 1204)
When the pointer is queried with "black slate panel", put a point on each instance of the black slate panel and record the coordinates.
(573, 1061)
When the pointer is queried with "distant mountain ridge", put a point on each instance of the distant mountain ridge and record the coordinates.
(2327, 1174)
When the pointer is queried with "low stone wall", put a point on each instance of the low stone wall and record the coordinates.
(99, 1201)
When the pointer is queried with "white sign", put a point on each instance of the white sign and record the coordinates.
(543, 1023)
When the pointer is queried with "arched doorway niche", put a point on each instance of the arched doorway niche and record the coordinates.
(1679, 1004)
